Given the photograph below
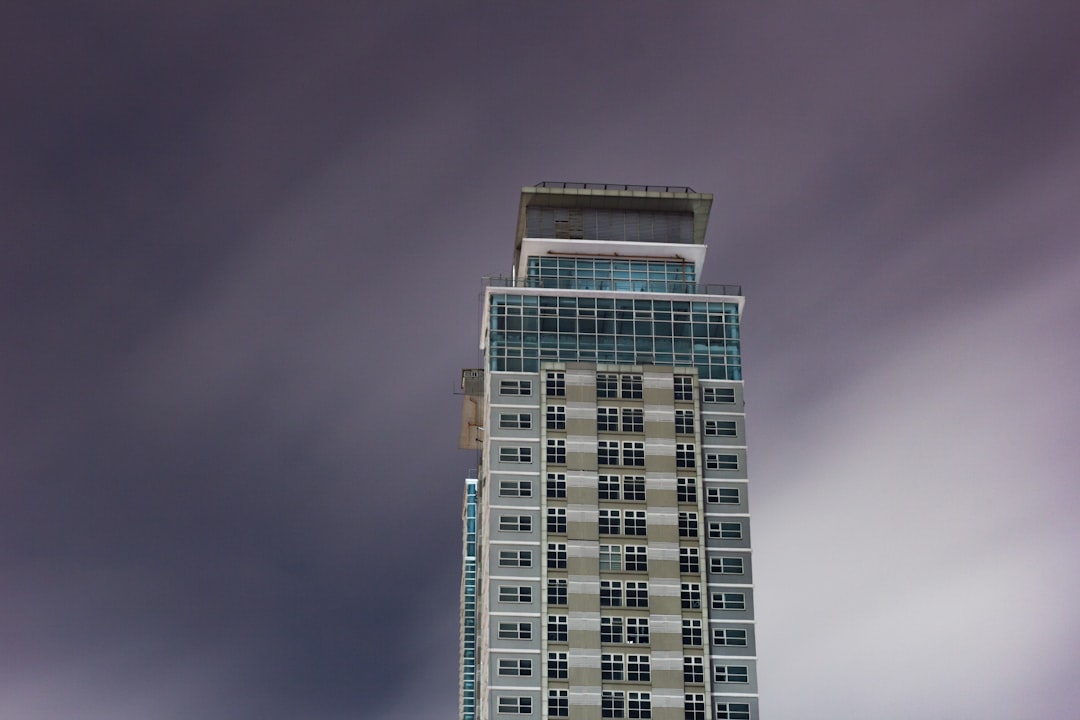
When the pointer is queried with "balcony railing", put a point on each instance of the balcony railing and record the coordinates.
(608, 285)
(615, 186)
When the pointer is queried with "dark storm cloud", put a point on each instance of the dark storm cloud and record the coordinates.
(241, 250)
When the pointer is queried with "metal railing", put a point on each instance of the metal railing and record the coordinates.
(615, 186)
(606, 285)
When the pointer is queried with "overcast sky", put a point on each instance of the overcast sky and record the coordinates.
(240, 252)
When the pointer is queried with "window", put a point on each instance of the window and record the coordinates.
(515, 631)
(556, 520)
(557, 628)
(515, 705)
(555, 384)
(689, 560)
(684, 387)
(639, 705)
(693, 670)
(722, 496)
(556, 556)
(515, 667)
(691, 596)
(722, 428)
(637, 630)
(611, 629)
(558, 703)
(718, 395)
(631, 387)
(556, 591)
(694, 706)
(612, 667)
(608, 488)
(637, 558)
(607, 419)
(611, 593)
(685, 455)
(515, 421)
(607, 385)
(515, 454)
(691, 632)
(515, 558)
(556, 485)
(633, 420)
(634, 488)
(729, 636)
(613, 704)
(638, 668)
(557, 665)
(515, 594)
(732, 711)
(684, 422)
(555, 416)
(607, 452)
(515, 488)
(633, 454)
(515, 523)
(637, 594)
(556, 451)
(610, 557)
(726, 530)
(728, 601)
(726, 565)
(610, 522)
(688, 524)
(721, 462)
(731, 674)
(634, 522)
(687, 490)
(515, 387)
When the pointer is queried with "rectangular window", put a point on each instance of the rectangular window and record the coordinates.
(631, 387)
(515, 594)
(691, 596)
(684, 422)
(729, 636)
(515, 421)
(693, 670)
(691, 632)
(726, 565)
(557, 628)
(558, 703)
(612, 667)
(611, 593)
(556, 451)
(556, 556)
(608, 487)
(607, 452)
(633, 454)
(515, 488)
(556, 520)
(638, 668)
(685, 455)
(556, 485)
(555, 384)
(558, 667)
(638, 705)
(515, 387)
(637, 558)
(555, 416)
(607, 419)
(721, 462)
(557, 591)
(634, 522)
(731, 674)
(634, 488)
(694, 706)
(689, 561)
(515, 523)
(515, 705)
(687, 489)
(732, 711)
(721, 428)
(637, 630)
(688, 524)
(722, 496)
(515, 558)
(610, 557)
(611, 630)
(607, 385)
(515, 631)
(612, 704)
(725, 530)
(728, 601)
(718, 395)
(684, 388)
(515, 454)
(610, 522)
(514, 667)
(637, 594)
(633, 420)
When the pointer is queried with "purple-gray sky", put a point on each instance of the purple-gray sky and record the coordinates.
(240, 250)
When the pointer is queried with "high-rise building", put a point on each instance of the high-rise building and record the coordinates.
(607, 569)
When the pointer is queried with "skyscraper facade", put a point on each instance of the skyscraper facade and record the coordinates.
(607, 569)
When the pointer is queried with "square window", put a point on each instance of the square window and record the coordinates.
(693, 670)
(555, 384)
(611, 630)
(689, 561)
(637, 630)
(515, 488)
(607, 419)
(633, 420)
(607, 385)
(722, 496)
(611, 593)
(515, 421)
(608, 487)
(555, 416)
(687, 490)
(557, 628)
(637, 558)
(612, 667)
(607, 452)
(556, 485)
(610, 522)
(639, 705)
(612, 704)
(631, 387)
(637, 594)
(634, 488)
(556, 556)
(633, 454)
(684, 388)
(684, 422)
(634, 522)
(610, 557)
(638, 668)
